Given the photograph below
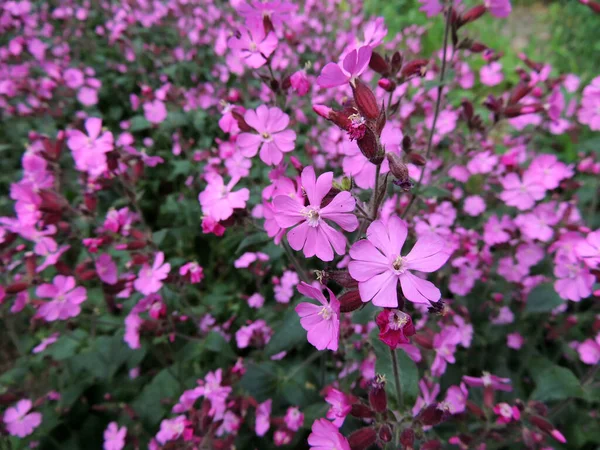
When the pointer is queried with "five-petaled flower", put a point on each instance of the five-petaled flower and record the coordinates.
(354, 64)
(66, 298)
(321, 321)
(149, 279)
(19, 421)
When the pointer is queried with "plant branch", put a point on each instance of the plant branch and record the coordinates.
(397, 378)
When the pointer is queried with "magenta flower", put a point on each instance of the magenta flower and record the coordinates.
(89, 151)
(114, 437)
(589, 113)
(574, 281)
(395, 327)
(272, 139)
(149, 279)
(17, 420)
(254, 11)
(589, 250)
(354, 64)
(300, 82)
(218, 201)
(507, 413)
(263, 417)
(456, 398)
(589, 351)
(172, 429)
(488, 380)
(325, 436)
(341, 405)
(522, 194)
(107, 269)
(193, 271)
(253, 45)
(155, 111)
(378, 265)
(314, 234)
(293, 418)
(66, 299)
(321, 321)
(47, 342)
(498, 8)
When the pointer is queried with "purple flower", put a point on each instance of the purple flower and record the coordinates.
(19, 421)
(66, 299)
(149, 279)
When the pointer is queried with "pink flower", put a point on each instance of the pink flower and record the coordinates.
(300, 82)
(444, 344)
(522, 194)
(89, 151)
(429, 393)
(18, 422)
(378, 265)
(589, 113)
(258, 333)
(491, 75)
(256, 301)
(395, 327)
(314, 234)
(284, 291)
(321, 321)
(193, 271)
(248, 258)
(498, 8)
(589, 351)
(114, 437)
(325, 436)
(45, 343)
(355, 63)
(253, 46)
(474, 205)
(272, 139)
(293, 418)
(216, 393)
(589, 250)
(549, 171)
(254, 11)
(488, 380)
(456, 398)
(149, 279)
(574, 281)
(155, 111)
(263, 416)
(218, 201)
(172, 429)
(507, 413)
(107, 269)
(66, 299)
(341, 405)
(514, 341)
(231, 423)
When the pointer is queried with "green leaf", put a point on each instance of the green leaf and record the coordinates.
(408, 372)
(217, 344)
(139, 123)
(260, 380)
(435, 191)
(66, 345)
(288, 335)
(555, 383)
(148, 404)
(253, 239)
(542, 299)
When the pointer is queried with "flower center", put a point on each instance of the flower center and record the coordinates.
(252, 46)
(487, 379)
(398, 264)
(357, 127)
(505, 410)
(60, 298)
(397, 319)
(325, 313)
(312, 216)
(266, 136)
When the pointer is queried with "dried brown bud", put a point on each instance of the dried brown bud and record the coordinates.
(379, 64)
(362, 439)
(350, 301)
(370, 146)
(365, 100)
(398, 168)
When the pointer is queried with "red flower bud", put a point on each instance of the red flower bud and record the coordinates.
(286, 83)
(594, 6)
(136, 245)
(431, 415)
(423, 341)
(519, 110)
(468, 110)
(90, 201)
(520, 91)
(379, 64)
(406, 144)
(417, 67)
(17, 287)
(385, 433)
(547, 427)
(478, 47)
(365, 100)
(350, 301)
(362, 411)
(362, 439)
(51, 201)
(471, 15)
(243, 126)
(475, 409)
(397, 167)
(370, 146)
(341, 277)
(407, 438)
(386, 84)
(377, 395)
(417, 159)
(396, 62)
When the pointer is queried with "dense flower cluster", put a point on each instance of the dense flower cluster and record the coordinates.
(192, 169)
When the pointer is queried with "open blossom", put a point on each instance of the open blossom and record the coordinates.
(378, 265)
(589, 113)
(488, 380)
(341, 405)
(107, 269)
(155, 111)
(589, 351)
(89, 151)
(314, 234)
(444, 344)
(294, 418)
(549, 171)
(45, 343)
(19, 421)
(589, 250)
(253, 45)
(255, 11)
(150, 279)
(218, 201)
(325, 436)
(354, 64)
(395, 327)
(321, 321)
(66, 299)
(574, 281)
(522, 194)
(173, 429)
(193, 271)
(300, 82)
(272, 139)
(456, 398)
(114, 437)
(507, 413)
(263, 418)
(498, 8)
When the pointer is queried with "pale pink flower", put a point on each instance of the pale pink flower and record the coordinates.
(272, 139)
(549, 171)
(429, 393)
(444, 344)
(589, 250)
(257, 333)
(474, 205)
(87, 96)
(589, 113)
(354, 64)
(216, 393)
(218, 201)
(284, 291)
(74, 78)
(256, 301)
(574, 281)
(514, 341)
(171, 429)
(66, 299)
(253, 45)
(589, 351)
(155, 111)
(488, 380)
(19, 421)
(314, 234)
(522, 194)
(321, 321)
(378, 266)
(456, 398)
(491, 75)
(248, 258)
(263, 417)
(89, 151)
(294, 418)
(300, 83)
(254, 11)
(150, 279)
(498, 8)
(193, 271)
(341, 405)
(325, 436)
(231, 423)
(46, 343)
(107, 269)
(114, 437)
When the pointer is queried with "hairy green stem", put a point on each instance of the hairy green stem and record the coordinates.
(396, 368)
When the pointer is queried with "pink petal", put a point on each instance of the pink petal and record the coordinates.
(428, 255)
(380, 288)
(322, 245)
(248, 144)
(311, 292)
(364, 250)
(338, 210)
(350, 60)
(362, 60)
(277, 120)
(256, 119)
(93, 126)
(377, 234)
(418, 290)
(297, 237)
(336, 238)
(397, 231)
(332, 76)
(270, 154)
(287, 211)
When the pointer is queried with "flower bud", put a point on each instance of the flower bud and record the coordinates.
(350, 301)
(520, 91)
(468, 110)
(417, 67)
(386, 84)
(341, 277)
(377, 395)
(17, 287)
(417, 159)
(51, 201)
(362, 439)
(519, 110)
(365, 100)
(243, 126)
(547, 427)
(322, 110)
(406, 144)
(397, 167)
(299, 81)
(362, 411)
(407, 438)
(431, 415)
(471, 15)
(385, 433)
(286, 83)
(379, 64)
(396, 62)
(478, 47)
(370, 146)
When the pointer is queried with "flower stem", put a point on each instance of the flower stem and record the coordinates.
(397, 378)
